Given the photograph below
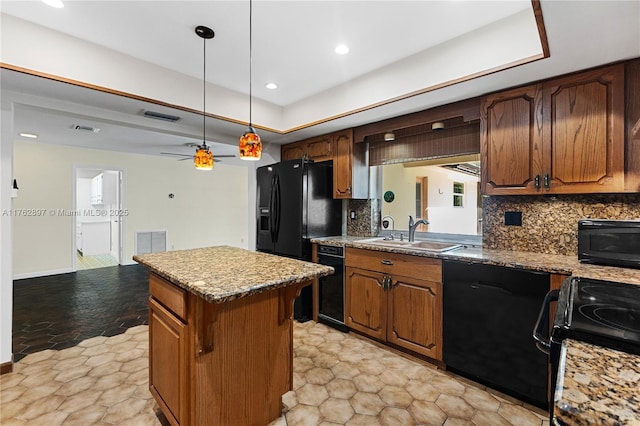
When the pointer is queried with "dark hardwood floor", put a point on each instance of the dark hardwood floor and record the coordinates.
(59, 311)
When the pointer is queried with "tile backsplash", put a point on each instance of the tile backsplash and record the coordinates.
(550, 223)
(367, 220)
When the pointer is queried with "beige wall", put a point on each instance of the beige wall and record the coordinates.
(209, 208)
(443, 217)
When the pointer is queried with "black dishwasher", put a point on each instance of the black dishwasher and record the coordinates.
(488, 314)
(331, 288)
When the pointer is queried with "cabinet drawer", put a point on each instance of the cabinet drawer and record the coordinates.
(396, 264)
(169, 295)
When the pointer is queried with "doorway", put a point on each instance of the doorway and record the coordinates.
(98, 220)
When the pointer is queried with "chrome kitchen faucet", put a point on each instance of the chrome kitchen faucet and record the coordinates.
(412, 227)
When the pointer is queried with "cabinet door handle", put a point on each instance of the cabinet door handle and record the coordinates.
(383, 284)
(536, 182)
(545, 181)
(386, 280)
(386, 262)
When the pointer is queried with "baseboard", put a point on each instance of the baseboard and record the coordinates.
(6, 367)
(41, 273)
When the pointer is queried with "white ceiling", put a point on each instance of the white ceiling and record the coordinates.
(293, 45)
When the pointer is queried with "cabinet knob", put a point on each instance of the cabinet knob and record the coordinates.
(386, 262)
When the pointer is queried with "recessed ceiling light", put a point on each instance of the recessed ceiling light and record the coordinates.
(342, 49)
(54, 3)
(271, 86)
(28, 135)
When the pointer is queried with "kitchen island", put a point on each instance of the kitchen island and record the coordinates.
(221, 333)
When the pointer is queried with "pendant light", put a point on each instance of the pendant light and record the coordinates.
(203, 159)
(250, 144)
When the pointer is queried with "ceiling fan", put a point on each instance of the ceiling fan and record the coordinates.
(197, 147)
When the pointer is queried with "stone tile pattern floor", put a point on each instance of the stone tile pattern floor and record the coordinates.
(338, 379)
(60, 311)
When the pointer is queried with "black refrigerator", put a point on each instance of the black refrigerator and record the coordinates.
(295, 203)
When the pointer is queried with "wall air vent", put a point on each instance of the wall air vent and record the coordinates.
(161, 116)
(80, 127)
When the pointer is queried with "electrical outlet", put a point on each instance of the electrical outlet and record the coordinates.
(513, 218)
(352, 215)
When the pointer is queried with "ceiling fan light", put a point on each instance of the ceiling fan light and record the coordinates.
(203, 160)
(250, 146)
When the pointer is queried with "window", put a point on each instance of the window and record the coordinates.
(458, 194)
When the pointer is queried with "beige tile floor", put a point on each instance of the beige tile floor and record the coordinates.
(338, 379)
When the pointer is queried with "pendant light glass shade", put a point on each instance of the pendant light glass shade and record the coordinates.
(250, 145)
(203, 160)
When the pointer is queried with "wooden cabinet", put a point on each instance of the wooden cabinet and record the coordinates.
(350, 169)
(562, 136)
(343, 165)
(395, 298)
(316, 149)
(168, 347)
(511, 141)
(220, 363)
(292, 151)
(168, 344)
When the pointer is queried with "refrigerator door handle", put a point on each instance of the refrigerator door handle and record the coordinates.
(272, 213)
(277, 206)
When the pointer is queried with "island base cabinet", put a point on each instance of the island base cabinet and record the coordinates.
(167, 381)
(241, 378)
(224, 363)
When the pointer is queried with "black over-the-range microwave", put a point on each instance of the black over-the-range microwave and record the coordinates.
(609, 242)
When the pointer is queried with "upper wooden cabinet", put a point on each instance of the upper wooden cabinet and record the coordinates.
(350, 170)
(511, 141)
(563, 136)
(316, 149)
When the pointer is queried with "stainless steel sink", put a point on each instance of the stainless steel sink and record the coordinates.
(433, 246)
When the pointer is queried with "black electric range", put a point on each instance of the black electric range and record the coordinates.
(599, 312)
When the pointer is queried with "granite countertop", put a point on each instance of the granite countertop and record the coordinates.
(597, 386)
(223, 273)
(552, 263)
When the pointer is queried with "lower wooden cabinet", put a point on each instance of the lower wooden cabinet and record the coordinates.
(415, 315)
(220, 363)
(168, 344)
(405, 310)
(366, 302)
